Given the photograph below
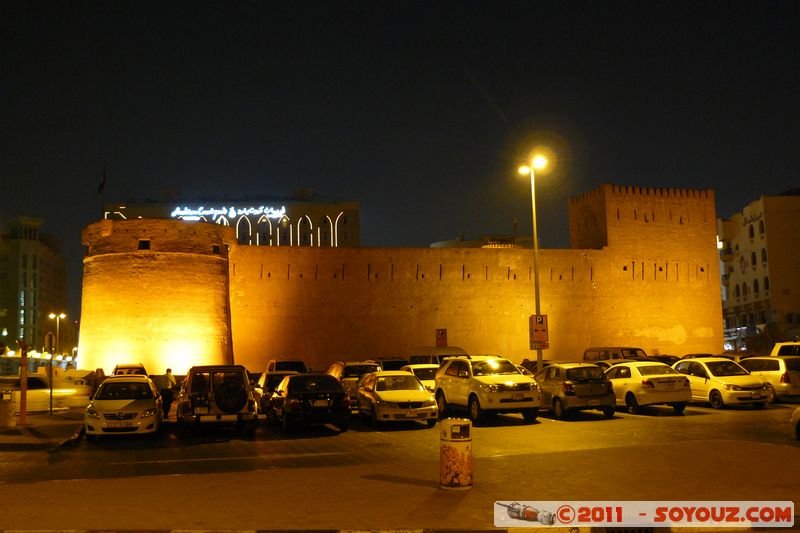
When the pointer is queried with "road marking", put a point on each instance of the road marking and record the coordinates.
(237, 458)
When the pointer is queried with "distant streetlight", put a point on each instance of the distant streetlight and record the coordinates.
(538, 162)
(58, 318)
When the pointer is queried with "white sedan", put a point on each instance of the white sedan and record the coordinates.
(639, 383)
(396, 396)
(124, 405)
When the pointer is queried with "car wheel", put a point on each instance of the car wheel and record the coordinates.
(475, 411)
(632, 404)
(558, 409)
(679, 408)
(530, 415)
(230, 397)
(715, 399)
(772, 395)
(608, 411)
(431, 422)
(441, 404)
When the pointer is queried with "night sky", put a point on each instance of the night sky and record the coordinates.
(421, 111)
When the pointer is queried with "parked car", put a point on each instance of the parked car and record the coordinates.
(605, 364)
(794, 424)
(781, 374)
(666, 359)
(130, 368)
(640, 383)
(349, 373)
(217, 395)
(786, 348)
(125, 404)
(569, 387)
(390, 396)
(37, 396)
(426, 373)
(532, 364)
(433, 355)
(486, 384)
(389, 363)
(266, 385)
(310, 398)
(720, 381)
(592, 355)
(296, 365)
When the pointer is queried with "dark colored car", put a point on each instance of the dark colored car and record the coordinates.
(310, 399)
(666, 359)
(568, 387)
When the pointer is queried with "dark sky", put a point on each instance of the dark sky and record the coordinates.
(421, 111)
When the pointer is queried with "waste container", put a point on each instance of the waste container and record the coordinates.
(455, 454)
(7, 408)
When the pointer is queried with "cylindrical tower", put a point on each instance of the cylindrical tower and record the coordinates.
(155, 291)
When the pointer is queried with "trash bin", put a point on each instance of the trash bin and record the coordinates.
(455, 454)
(7, 408)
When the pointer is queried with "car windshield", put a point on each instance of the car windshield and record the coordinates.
(394, 364)
(386, 383)
(425, 373)
(356, 371)
(297, 366)
(493, 367)
(655, 370)
(116, 390)
(725, 368)
(314, 384)
(584, 373)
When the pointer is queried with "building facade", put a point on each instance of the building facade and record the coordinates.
(296, 221)
(761, 269)
(33, 284)
(171, 293)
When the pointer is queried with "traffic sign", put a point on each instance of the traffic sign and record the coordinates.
(539, 336)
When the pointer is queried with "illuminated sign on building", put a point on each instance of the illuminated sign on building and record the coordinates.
(213, 213)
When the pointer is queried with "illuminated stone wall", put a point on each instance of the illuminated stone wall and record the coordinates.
(166, 306)
(655, 285)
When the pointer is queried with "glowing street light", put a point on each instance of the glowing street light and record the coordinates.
(58, 317)
(538, 162)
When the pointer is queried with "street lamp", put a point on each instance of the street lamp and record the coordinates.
(537, 162)
(58, 318)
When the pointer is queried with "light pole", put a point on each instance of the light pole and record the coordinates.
(538, 162)
(58, 318)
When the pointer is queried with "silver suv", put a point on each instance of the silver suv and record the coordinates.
(217, 395)
(486, 384)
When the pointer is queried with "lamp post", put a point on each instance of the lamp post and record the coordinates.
(58, 318)
(537, 162)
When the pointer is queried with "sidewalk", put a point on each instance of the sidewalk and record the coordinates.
(43, 431)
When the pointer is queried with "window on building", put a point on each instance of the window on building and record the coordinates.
(753, 260)
(763, 255)
(751, 231)
(736, 291)
(755, 286)
(215, 249)
(766, 283)
(144, 244)
(761, 227)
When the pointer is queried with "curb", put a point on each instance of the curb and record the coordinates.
(72, 440)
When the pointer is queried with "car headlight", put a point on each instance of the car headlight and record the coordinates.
(384, 404)
(429, 403)
(91, 412)
(149, 412)
(489, 388)
(728, 386)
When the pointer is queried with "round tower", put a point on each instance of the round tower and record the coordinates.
(155, 291)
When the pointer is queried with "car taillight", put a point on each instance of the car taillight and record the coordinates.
(647, 384)
(785, 378)
(567, 387)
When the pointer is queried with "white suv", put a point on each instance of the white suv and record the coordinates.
(486, 384)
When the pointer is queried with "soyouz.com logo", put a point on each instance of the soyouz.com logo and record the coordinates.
(715, 514)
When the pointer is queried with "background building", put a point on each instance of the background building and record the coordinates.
(33, 284)
(262, 221)
(761, 271)
(644, 271)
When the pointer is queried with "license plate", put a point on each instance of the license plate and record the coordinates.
(516, 396)
(119, 424)
(201, 410)
(320, 403)
(594, 402)
(411, 414)
(669, 385)
(756, 394)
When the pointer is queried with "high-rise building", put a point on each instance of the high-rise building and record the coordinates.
(33, 284)
(761, 269)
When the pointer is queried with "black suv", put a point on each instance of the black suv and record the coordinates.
(217, 395)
